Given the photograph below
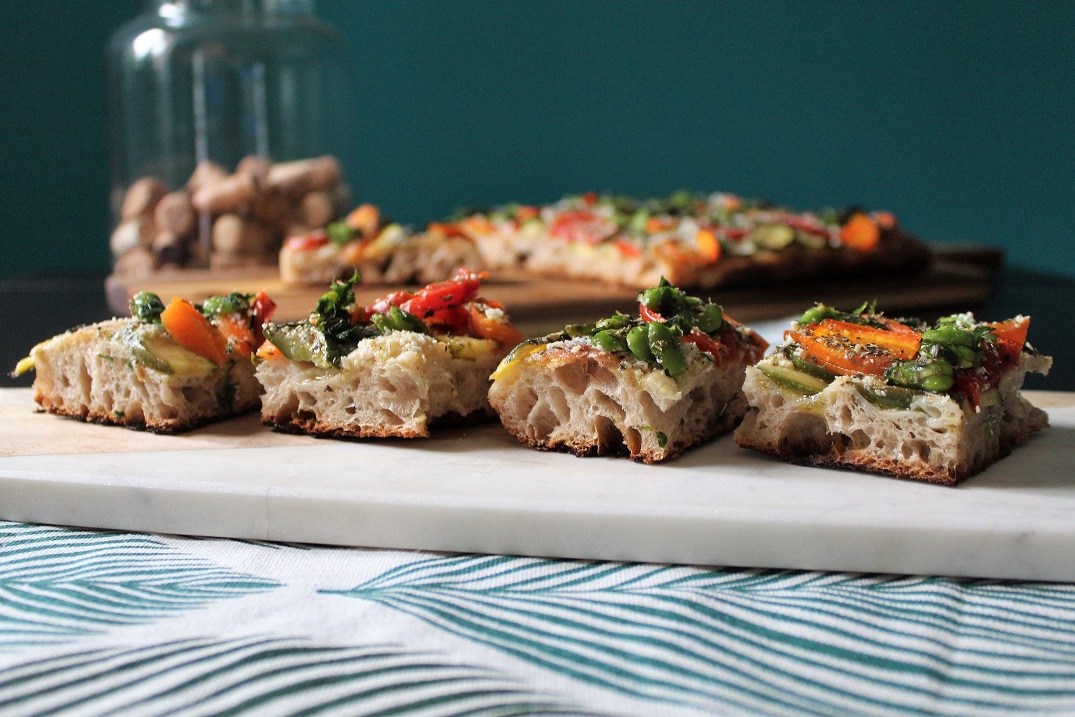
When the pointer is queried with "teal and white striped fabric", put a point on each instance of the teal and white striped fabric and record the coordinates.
(95, 622)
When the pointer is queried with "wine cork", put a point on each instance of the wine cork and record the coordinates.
(228, 234)
(227, 195)
(169, 248)
(141, 198)
(257, 167)
(341, 199)
(305, 175)
(130, 234)
(257, 239)
(316, 209)
(271, 207)
(205, 173)
(138, 260)
(175, 213)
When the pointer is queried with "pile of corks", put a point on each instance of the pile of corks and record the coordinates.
(223, 220)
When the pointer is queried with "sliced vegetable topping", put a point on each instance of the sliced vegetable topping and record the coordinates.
(846, 348)
(332, 318)
(238, 335)
(1011, 334)
(337, 325)
(686, 226)
(192, 331)
(653, 338)
(957, 353)
(307, 242)
(583, 226)
(365, 221)
(233, 302)
(860, 232)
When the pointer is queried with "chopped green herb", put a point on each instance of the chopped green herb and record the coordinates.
(662, 439)
(332, 318)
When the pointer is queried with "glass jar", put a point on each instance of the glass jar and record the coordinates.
(206, 92)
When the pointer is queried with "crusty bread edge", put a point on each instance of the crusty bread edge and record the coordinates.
(312, 427)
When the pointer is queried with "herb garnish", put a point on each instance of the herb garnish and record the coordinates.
(333, 318)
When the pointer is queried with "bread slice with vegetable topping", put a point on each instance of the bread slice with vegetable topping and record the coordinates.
(165, 369)
(649, 387)
(393, 369)
(858, 390)
(381, 251)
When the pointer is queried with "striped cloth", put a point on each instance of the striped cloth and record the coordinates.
(97, 622)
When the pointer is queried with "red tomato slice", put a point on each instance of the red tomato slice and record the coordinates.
(261, 310)
(628, 248)
(648, 314)
(583, 226)
(972, 383)
(705, 342)
(311, 241)
(237, 333)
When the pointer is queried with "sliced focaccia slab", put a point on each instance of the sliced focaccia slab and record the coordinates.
(650, 386)
(859, 390)
(391, 369)
(165, 369)
(382, 252)
(694, 241)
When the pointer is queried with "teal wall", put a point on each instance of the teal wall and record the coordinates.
(957, 116)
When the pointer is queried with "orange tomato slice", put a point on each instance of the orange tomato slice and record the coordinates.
(1012, 335)
(860, 232)
(237, 333)
(846, 348)
(486, 328)
(193, 331)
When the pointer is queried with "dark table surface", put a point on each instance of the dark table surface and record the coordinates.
(37, 308)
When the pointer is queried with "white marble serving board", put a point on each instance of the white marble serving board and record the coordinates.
(478, 490)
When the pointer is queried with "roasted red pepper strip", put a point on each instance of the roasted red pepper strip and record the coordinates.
(261, 310)
(444, 295)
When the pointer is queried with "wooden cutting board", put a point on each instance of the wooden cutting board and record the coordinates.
(477, 490)
(960, 277)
